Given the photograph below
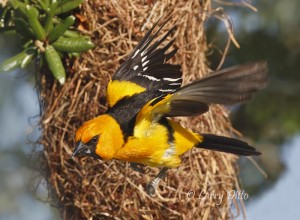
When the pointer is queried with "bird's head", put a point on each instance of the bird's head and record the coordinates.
(100, 138)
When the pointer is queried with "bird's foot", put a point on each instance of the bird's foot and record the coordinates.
(152, 185)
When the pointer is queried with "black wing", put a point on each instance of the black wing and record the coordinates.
(146, 67)
(229, 86)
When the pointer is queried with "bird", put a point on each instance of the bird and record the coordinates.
(145, 95)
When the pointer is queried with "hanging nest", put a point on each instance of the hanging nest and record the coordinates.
(86, 188)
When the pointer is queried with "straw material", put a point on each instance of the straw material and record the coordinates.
(86, 188)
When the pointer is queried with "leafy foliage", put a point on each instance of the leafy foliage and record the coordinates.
(45, 29)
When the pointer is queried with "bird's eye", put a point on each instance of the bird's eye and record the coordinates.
(95, 139)
(93, 142)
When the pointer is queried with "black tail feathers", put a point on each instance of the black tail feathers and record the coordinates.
(226, 144)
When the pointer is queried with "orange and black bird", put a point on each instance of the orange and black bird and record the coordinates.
(145, 94)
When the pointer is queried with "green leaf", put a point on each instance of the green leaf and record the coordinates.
(29, 44)
(71, 33)
(68, 6)
(19, 60)
(5, 15)
(18, 5)
(33, 20)
(55, 64)
(59, 29)
(44, 4)
(50, 14)
(73, 45)
(22, 27)
(30, 53)
(8, 30)
(12, 63)
(74, 55)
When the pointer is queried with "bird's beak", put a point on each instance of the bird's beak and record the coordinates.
(80, 147)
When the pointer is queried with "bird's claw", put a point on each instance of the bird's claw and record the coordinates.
(152, 185)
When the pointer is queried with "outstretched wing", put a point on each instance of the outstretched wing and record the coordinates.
(228, 86)
(146, 69)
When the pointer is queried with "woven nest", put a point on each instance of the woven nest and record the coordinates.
(86, 188)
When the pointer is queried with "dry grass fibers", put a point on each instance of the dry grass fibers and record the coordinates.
(86, 188)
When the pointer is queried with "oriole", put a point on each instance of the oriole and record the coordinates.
(145, 92)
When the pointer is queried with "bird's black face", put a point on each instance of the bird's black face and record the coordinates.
(87, 149)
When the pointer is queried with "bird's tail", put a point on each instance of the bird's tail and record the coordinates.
(226, 144)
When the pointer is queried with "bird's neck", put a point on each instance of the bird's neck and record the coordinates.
(111, 138)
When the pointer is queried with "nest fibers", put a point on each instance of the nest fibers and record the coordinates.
(91, 189)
